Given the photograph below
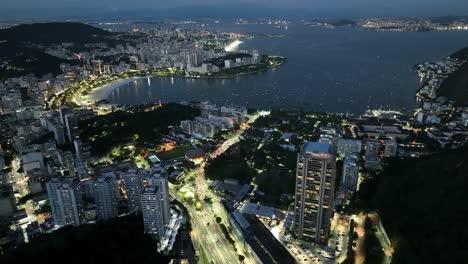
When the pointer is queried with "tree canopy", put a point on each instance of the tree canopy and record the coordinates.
(423, 206)
(119, 240)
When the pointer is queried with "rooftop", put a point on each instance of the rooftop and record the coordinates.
(150, 189)
(265, 245)
(315, 147)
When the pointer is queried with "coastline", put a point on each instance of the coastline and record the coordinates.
(103, 92)
(233, 46)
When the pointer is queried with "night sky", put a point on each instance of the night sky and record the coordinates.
(186, 8)
(377, 4)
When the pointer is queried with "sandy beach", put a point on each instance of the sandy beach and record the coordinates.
(103, 92)
(233, 46)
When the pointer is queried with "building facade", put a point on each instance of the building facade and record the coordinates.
(314, 195)
(65, 201)
(133, 182)
(152, 212)
(350, 173)
(159, 179)
(372, 148)
(104, 191)
(348, 146)
(391, 147)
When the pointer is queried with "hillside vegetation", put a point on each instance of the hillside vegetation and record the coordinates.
(22, 47)
(423, 206)
(119, 241)
(455, 87)
(140, 124)
(56, 32)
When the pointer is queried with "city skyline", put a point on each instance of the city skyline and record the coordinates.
(252, 9)
(233, 132)
(265, 3)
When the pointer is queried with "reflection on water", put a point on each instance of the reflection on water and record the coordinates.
(342, 70)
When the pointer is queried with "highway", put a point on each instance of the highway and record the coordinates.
(201, 185)
(206, 233)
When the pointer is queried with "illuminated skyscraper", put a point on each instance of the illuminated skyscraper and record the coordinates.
(159, 179)
(152, 212)
(315, 188)
(133, 181)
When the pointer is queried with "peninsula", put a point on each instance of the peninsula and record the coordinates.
(95, 60)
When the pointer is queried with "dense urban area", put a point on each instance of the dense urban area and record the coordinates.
(197, 182)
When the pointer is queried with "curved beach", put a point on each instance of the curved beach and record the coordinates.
(233, 46)
(103, 92)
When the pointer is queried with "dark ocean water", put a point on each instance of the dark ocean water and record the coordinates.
(335, 70)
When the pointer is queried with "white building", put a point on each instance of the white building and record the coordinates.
(229, 64)
(187, 126)
(65, 201)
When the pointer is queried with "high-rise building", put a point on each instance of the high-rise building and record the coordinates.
(104, 192)
(78, 149)
(372, 148)
(133, 182)
(71, 125)
(350, 173)
(346, 146)
(390, 148)
(187, 126)
(315, 189)
(152, 212)
(159, 179)
(372, 160)
(65, 201)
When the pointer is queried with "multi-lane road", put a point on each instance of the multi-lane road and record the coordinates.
(207, 236)
(206, 233)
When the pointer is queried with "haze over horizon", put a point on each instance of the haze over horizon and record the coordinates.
(211, 8)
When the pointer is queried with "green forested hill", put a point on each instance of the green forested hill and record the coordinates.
(423, 206)
(56, 32)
